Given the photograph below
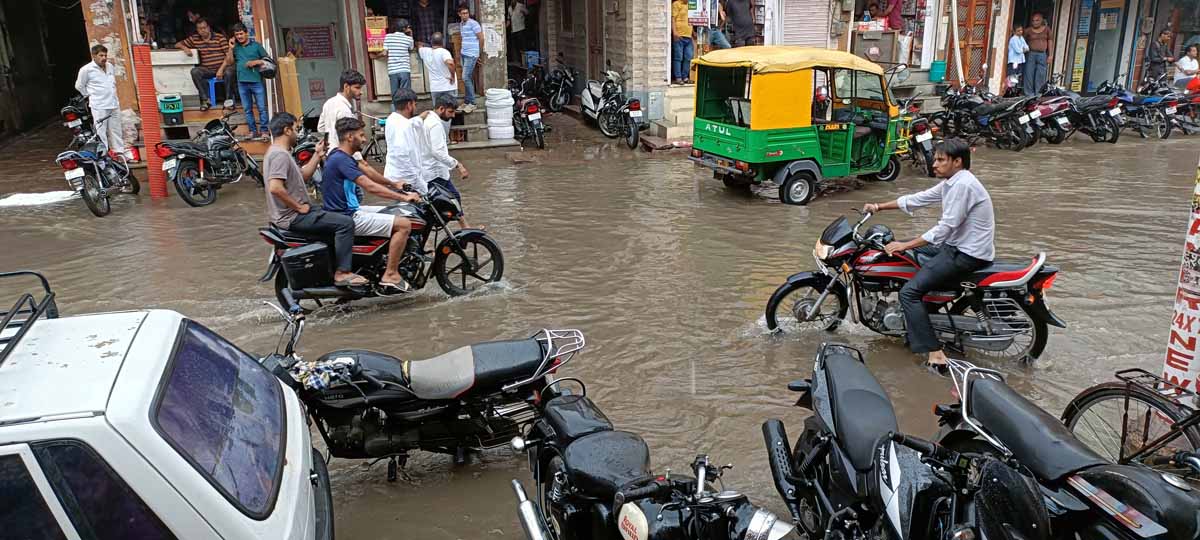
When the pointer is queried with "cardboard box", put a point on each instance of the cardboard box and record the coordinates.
(376, 31)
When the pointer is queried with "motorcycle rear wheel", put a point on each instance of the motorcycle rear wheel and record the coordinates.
(456, 280)
(1098, 417)
(1055, 134)
(632, 134)
(192, 194)
(1112, 132)
(609, 125)
(95, 199)
(1036, 345)
(539, 138)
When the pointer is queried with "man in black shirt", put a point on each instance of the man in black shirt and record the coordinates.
(1158, 56)
(740, 14)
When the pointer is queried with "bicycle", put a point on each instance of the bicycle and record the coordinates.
(376, 149)
(1142, 419)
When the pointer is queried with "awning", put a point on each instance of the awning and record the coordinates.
(783, 59)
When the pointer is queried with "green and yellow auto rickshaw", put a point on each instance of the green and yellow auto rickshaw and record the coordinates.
(793, 115)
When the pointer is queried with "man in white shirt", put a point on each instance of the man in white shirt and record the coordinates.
(403, 166)
(516, 24)
(439, 63)
(340, 106)
(433, 152)
(1187, 67)
(97, 80)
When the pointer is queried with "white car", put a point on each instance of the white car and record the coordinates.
(145, 424)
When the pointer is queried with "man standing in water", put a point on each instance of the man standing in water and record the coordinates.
(97, 80)
(962, 242)
(1037, 60)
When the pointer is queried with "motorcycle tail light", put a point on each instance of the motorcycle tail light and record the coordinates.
(532, 108)
(1113, 102)
(742, 166)
(635, 105)
(71, 117)
(1172, 103)
(69, 164)
(304, 156)
(920, 128)
(163, 152)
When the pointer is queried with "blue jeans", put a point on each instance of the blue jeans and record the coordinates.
(400, 80)
(716, 38)
(1035, 72)
(468, 81)
(252, 93)
(681, 57)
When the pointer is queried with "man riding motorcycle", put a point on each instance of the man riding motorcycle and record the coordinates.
(961, 242)
(340, 192)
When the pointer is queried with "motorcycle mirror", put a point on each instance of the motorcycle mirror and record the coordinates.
(903, 74)
(282, 312)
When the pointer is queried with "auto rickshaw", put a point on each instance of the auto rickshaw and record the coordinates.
(793, 115)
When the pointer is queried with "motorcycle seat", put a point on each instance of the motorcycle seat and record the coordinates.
(862, 412)
(600, 463)
(573, 417)
(186, 145)
(996, 272)
(988, 109)
(483, 367)
(1039, 441)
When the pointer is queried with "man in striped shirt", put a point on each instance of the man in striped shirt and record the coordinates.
(213, 49)
(398, 46)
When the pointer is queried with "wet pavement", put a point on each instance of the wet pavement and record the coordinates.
(667, 273)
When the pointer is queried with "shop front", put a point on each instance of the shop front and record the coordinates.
(316, 34)
(1101, 45)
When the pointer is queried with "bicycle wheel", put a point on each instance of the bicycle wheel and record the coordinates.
(1097, 415)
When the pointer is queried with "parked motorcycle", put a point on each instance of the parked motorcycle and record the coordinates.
(916, 142)
(1144, 114)
(606, 104)
(304, 151)
(1099, 117)
(1051, 109)
(96, 173)
(594, 482)
(973, 114)
(853, 476)
(77, 117)
(527, 121)
(461, 261)
(1084, 495)
(199, 167)
(371, 405)
(559, 86)
(999, 310)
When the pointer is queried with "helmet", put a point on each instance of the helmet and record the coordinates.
(885, 234)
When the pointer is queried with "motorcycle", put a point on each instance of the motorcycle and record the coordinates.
(594, 482)
(304, 151)
(916, 137)
(77, 117)
(974, 114)
(559, 86)
(527, 121)
(1084, 495)
(461, 261)
(853, 476)
(1097, 116)
(199, 167)
(1049, 111)
(999, 310)
(371, 405)
(606, 104)
(1145, 113)
(96, 173)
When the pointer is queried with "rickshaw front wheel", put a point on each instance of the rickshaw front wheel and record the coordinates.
(798, 189)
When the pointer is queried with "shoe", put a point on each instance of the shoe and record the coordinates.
(229, 104)
(204, 106)
(469, 108)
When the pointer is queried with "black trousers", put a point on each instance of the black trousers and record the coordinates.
(340, 226)
(201, 73)
(947, 265)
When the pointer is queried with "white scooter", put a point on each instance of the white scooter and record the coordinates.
(606, 104)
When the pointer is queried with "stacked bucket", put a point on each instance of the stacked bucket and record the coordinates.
(499, 113)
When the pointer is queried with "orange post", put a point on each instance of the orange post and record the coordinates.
(1180, 365)
(151, 119)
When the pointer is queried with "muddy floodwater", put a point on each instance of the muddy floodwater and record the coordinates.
(667, 273)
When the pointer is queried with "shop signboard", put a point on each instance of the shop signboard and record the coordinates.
(309, 41)
(698, 12)
(376, 30)
(1081, 45)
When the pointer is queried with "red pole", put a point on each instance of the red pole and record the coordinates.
(151, 120)
(1180, 365)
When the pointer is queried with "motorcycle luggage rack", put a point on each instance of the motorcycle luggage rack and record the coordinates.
(17, 321)
(1157, 384)
(559, 347)
(961, 373)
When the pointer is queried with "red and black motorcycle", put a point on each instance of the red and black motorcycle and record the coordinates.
(999, 311)
(461, 261)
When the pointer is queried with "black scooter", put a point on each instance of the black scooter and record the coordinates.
(595, 483)
(371, 405)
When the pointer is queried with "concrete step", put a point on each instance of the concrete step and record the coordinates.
(679, 118)
(664, 130)
(678, 91)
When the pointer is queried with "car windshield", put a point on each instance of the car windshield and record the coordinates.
(224, 413)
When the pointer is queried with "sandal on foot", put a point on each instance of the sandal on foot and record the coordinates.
(401, 287)
(356, 281)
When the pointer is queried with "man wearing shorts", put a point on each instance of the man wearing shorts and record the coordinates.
(341, 187)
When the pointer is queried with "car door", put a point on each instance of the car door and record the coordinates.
(28, 506)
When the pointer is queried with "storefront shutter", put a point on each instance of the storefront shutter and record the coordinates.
(806, 22)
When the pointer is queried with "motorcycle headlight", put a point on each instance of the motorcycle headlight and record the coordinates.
(766, 526)
(821, 251)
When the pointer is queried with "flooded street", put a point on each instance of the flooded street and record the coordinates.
(667, 273)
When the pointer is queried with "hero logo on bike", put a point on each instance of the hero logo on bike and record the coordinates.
(719, 130)
(632, 523)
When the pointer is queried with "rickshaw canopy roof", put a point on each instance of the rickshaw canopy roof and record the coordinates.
(784, 59)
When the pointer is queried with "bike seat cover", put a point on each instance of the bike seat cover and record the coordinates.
(481, 367)
(573, 417)
(1039, 441)
(862, 412)
(600, 463)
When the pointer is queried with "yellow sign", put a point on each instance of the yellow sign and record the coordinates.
(1080, 61)
(376, 30)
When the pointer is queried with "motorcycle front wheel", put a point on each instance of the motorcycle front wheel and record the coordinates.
(787, 310)
(480, 262)
(132, 187)
(559, 100)
(186, 178)
(1159, 123)
(94, 197)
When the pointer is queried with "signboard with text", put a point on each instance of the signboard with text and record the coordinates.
(1180, 365)
(698, 12)
(309, 41)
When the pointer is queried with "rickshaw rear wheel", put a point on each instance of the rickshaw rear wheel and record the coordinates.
(890, 171)
(798, 189)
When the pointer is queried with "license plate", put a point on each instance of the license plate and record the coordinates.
(1035, 114)
(1024, 119)
(74, 174)
(1171, 110)
(535, 116)
(1114, 112)
(170, 164)
(924, 137)
(1062, 121)
(74, 123)
(635, 114)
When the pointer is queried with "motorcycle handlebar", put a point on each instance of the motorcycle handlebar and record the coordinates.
(654, 489)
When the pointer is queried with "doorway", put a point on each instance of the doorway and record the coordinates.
(974, 34)
(1101, 30)
(311, 30)
(595, 39)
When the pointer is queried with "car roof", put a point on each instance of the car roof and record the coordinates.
(66, 366)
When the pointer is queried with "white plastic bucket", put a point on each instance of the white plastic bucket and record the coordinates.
(501, 132)
(498, 94)
(499, 121)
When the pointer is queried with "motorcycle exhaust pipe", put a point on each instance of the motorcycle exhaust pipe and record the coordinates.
(527, 512)
(779, 455)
